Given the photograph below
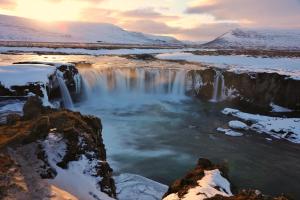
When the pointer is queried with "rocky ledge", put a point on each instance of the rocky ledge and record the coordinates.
(210, 182)
(53, 154)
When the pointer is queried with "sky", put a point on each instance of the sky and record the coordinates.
(197, 20)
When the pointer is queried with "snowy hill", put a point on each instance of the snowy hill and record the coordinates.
(21, 29)
(262, 39)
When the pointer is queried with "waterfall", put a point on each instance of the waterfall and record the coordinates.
(66, 97)
(134, 81)
(219, 88)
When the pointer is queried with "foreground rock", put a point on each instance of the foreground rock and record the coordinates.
(209, 181)
(53, 153)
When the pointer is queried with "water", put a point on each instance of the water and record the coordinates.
(153, 129)
(66, 97)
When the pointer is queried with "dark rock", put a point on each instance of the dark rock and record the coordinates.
(32, 108)
(12, 119)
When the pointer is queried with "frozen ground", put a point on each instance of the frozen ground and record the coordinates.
(284, 66)
(79, 51)
(20, 74)
(281, 128)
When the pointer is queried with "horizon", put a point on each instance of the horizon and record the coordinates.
(192, 20)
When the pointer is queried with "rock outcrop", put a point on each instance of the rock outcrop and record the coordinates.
(49, 142)
(260, 89)
(201, 184)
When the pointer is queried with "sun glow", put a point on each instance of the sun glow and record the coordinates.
(47, 11)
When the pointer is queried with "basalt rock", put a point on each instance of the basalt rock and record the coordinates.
(259, 89)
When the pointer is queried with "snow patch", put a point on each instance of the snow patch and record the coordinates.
(276, 108)
(206, 187)
(282, 128)
(238, 125)
(78, 179)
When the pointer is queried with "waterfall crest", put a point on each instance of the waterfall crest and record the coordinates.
(66, 97)
(134, 81)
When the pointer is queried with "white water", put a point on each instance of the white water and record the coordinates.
(66, 97)
(219, 89)
(123, 85)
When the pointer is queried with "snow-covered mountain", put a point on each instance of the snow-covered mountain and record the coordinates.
(262, 39)
(21, 29)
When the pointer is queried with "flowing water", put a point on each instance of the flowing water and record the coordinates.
(66, 97)
(153, 128)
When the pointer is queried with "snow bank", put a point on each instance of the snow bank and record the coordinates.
(239, 63)
(206, 187)
(78, 179)
(285, 128)
(21, 74)
(135, 187)
(229, 132)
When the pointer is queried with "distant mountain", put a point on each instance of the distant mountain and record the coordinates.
(22, 29)
(262, 39)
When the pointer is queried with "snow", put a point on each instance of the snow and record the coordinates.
(263, 39)
(22, 29)
(135, 187)
(278, 109)
(282, 128)
(206, 187)
(238, 125)
(240, 63)
(77, 179)
(81, 51)
(9, 107)
(21, 74)
(229, 132)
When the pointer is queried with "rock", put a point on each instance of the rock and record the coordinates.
(12, 119)
(32, 108)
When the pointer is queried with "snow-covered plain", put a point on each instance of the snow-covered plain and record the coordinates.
(284, 66)
(78, 51)
(21, 74)
(206, 187)
(281, 128)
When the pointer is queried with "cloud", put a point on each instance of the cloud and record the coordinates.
(7, 4)
(150, 26)
(263, 13)
(147, 13)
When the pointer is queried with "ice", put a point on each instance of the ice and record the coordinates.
(135, 187)
(207, 187)
(229, 132)
(285, 128)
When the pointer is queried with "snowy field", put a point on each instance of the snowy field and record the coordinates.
(284, 66)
